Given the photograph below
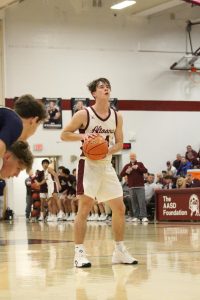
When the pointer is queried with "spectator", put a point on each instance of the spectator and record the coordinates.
(150, 186)
(171, 170)
(168, 183)
(190, 153)
(181, 183)
(177, 161)
(184, 166)
(192, 182)
(127, 197)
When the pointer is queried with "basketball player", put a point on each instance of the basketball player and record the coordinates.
(97, 178)
(17, 158)
(21, 123)
(53, 187)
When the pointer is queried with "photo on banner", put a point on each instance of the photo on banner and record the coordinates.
(113, 103)
(79, 104)
(54, 113)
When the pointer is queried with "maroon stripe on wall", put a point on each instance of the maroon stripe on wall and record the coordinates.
(145, 105)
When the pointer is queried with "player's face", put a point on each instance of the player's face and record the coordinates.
(45, 165)
(11, 166)
(102, 90)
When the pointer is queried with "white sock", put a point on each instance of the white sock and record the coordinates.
(79, 247)
(119, 245)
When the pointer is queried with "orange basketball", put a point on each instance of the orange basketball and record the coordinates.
(95, 148)
(36, 204)
(35, 196)
(35, 213)
(35, 186)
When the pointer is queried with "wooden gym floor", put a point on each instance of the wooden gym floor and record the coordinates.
(36, 262)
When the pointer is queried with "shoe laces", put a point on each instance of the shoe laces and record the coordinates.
(81, 253)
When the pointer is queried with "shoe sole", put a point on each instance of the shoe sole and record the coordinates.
(88, 265)
(135, 262)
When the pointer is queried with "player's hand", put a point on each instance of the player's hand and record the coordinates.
(89, 136)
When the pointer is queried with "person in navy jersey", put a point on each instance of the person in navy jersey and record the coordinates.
(17, 158)
(20, 123)
(97, 179)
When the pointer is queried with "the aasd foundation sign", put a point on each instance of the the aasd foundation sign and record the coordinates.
(178, 205)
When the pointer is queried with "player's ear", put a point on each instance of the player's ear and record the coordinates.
(94, 95)
(34, 120)
(7, 155)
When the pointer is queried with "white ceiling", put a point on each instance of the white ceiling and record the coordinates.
(142, 7)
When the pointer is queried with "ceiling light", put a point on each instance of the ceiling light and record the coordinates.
(123, 4)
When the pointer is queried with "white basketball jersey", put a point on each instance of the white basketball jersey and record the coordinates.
(105, 127)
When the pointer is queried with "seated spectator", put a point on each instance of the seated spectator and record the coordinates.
(159, 180)
(181, 183)
(193, 160)
(192, 182)
(190, 153)
(145, 176)
(184, 166)
(150, 186)
(127, 197)
(177, 161)
(171, 170)
(168, 183)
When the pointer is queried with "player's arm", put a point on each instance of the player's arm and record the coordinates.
(55, 175)
(78, 121)
(2, 148)
(118, 136)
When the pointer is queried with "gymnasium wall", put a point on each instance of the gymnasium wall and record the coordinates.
(54, 48)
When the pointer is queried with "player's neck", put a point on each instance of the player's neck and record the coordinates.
(101, 106)
(26, 130)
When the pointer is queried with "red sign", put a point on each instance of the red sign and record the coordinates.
(38, 147)
(126, 146)
(178, 204)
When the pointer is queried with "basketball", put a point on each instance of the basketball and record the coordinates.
(35, 213)
(36, 204)
(35, 186)
(35, 196)
(95, 148)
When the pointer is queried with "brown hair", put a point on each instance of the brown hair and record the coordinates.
(23, 153)
(93, 85)
(27, 106)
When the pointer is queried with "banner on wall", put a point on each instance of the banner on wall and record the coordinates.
(79, 104)
(113, 103)
(54, 113)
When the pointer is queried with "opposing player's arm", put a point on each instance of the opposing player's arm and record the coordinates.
(2, 148)
(118, 136)
(78, 121)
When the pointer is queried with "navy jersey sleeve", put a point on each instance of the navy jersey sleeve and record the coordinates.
(10, 126)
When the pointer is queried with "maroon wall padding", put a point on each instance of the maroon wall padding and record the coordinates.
(144, 105)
